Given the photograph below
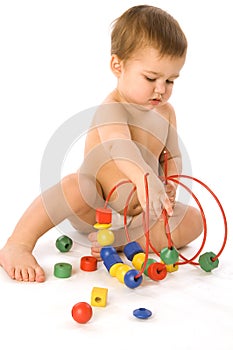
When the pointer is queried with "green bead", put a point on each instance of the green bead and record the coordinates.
(64, 243)
(62, 270)
(169, 255)
(207, 263)
(148, 263)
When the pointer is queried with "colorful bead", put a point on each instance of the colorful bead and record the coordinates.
(138, 260)
(88, 263)
(106, 251)
(103, 215)
(157, 271)
(207, 263)
(62, 270)
(105, 237)
(148, 263)
(172, 268)
(99, 296)
(131, 249)
(113, 269)
(130, 280)
(81, 312)
(169, 255)
(64, 243)
(98, 226)
(142, 313)
(112, 259)
(121, 271)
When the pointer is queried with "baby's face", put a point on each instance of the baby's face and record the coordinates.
(147, 79)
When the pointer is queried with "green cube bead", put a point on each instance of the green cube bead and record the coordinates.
(207, 263)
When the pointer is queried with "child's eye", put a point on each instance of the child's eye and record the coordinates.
(170, 81)
(150, 79)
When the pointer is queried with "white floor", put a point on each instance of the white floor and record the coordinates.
(190, 308)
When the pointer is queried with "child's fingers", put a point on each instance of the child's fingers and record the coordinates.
(167, 205)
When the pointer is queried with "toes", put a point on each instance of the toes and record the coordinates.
(92, 236)
(40, 275)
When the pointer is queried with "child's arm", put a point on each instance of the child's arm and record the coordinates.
(172, 155)
(116, 138)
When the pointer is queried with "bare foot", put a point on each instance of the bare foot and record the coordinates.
(18, 261)
(96, 248)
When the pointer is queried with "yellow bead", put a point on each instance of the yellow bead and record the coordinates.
(99, 296)
(172, 267)
(98, 226)
(105, 237)
(138, 260)
(121, 271)
(113, 269)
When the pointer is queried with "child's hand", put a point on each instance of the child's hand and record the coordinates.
(158, 198)
(170, 189)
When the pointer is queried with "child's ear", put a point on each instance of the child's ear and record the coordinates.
(116, 65)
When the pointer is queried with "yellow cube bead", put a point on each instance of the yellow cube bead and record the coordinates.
(121, 271)
(99, 296)
(113, 269)
(138, 260)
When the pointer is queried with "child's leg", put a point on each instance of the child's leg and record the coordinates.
(185, 226)
(56, 204)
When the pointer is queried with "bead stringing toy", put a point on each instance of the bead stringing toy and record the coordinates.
(170, 257)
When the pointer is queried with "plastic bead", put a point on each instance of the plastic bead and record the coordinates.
(113, 269)
(62, 270)
(142, 313)
(172, 268)
(112, 259)
(148, 263)
(64, 243)
(106, 251)
(81, 312)
(157, 271)
(103, 215)
(138, 260)
(130, 280)
(99, 296)
(105, 237)
(131, 249)
(169, 255)
(98, 226)
(207, 263)
(88, 263)
(121, 271)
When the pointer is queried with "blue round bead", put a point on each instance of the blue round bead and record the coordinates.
(130, 280)
(131, 249)
(142, 313)
(106, 251)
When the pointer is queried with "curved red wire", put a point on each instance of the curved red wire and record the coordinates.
(173, 177)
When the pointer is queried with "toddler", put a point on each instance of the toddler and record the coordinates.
(131, 131)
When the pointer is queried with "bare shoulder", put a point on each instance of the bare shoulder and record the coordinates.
(168, 112)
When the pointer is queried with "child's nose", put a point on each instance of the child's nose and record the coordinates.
(160, 87)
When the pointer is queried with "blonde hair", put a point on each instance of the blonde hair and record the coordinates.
(142, 26)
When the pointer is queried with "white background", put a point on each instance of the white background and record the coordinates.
(54, 62)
